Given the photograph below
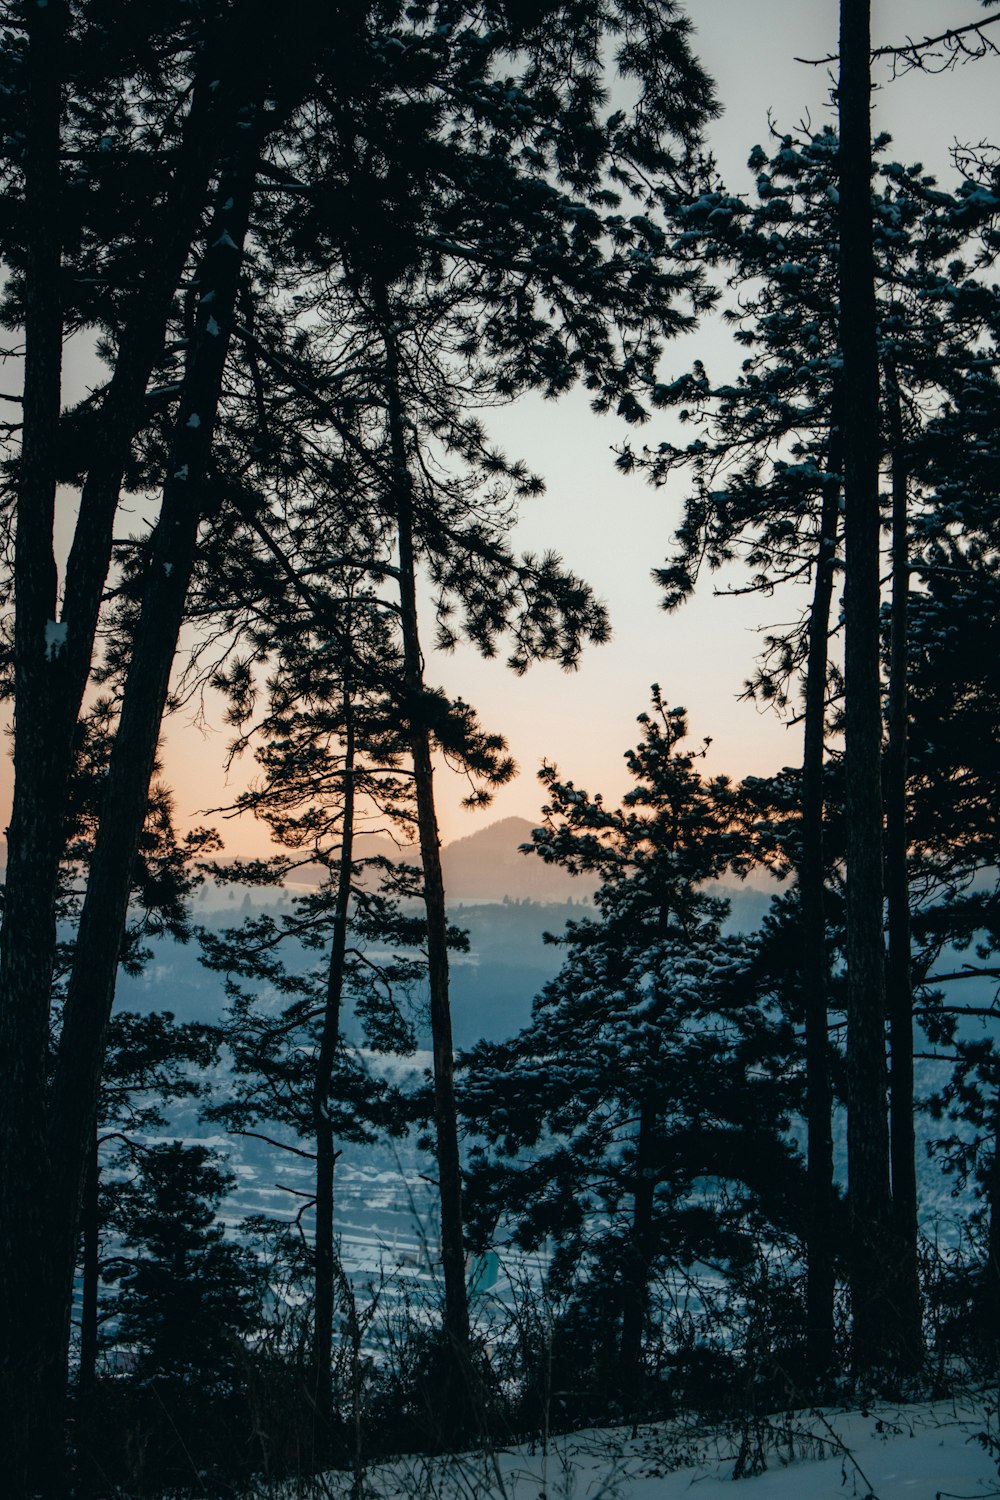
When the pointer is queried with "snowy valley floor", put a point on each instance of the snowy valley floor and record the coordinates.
(926, 1452)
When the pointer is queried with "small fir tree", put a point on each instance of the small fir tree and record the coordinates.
(650, 1092)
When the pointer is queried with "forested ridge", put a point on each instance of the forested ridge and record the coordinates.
(310, 248)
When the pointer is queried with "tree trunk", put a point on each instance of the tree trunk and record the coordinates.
(456, 1314)
(874, 1332)
(47, 710)
(991, 1278)
(211, 118)
(91, 1236)
(814, 967)
(326, 1154)
(52, 666)
(31, 1415)
(902, 1138)
(638, 1255)
(90, 993)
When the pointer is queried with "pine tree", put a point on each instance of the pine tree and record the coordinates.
(952, 780)
(53, 654)
(647, 1068)
(152, 1062)
(416, 94)
(330, 755)
(189, 1300)
(188, 1291)
(764, 470)
(768, 485)
(445, 345)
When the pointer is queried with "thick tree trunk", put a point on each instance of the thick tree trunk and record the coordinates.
(326, 1153)
(211, 119)
(52, 665)
(91, 987)
(874, 1322)
(902, 1138)
(638, 1254)
(456, 1313)
(445, 1112)
(31, 1416)
(814, 967)
(47, 711)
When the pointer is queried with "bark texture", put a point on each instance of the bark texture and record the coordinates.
(639, 1251)
(79, 1060)
(899, 985)
(52, 665)
(31, 1414)
(814, 968)
(445, 1113)
(874, 1332)
(326, 1147)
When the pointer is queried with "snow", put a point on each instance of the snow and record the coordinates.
(981, 197)
(928, 1452)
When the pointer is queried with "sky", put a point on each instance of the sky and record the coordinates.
(612, 529)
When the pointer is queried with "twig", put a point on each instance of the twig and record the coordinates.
(913, 49)
(281, 1146)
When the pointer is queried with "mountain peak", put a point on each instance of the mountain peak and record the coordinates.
(487, 865)
(505, 833)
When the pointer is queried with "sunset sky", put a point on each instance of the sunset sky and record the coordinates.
(612, 530)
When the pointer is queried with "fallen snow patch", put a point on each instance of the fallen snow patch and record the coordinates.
(929, 1452)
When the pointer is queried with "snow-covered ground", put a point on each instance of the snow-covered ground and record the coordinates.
(928, 1452)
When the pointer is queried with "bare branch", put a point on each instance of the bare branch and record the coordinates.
(281, 1146)
(913, 54)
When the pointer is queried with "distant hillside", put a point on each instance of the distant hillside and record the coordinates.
(486, 866)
